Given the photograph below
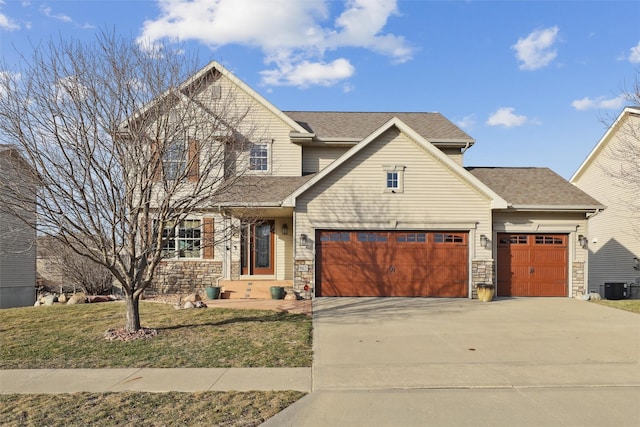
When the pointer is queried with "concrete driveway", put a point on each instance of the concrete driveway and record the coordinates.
(419, 361)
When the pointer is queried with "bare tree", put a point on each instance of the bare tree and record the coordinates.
(124, 143)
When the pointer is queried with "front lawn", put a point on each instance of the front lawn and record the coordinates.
(63, 336)
(632, 305)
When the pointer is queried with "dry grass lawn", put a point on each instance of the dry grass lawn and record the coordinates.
(64, 336)
(632, 305)
(143, 409)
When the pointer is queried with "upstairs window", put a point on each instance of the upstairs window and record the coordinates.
(259, 157)
(393, 178)
(174, 160)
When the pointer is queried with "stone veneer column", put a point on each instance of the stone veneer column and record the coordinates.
(481, 272)
(303, 276)
(577, 275)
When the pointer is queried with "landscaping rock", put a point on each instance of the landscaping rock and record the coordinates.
(77, 299)
(192, 298)
(37, 304)
(188, 304)
(49, 300)
(200, 304)
(62, 299)
(594, 296)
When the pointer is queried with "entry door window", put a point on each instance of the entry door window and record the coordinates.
(257, 248)
(263, 245)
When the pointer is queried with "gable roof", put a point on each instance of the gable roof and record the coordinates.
(355, 126)
(496, 200)
(627, 111)
(203, 73)
(530, 188)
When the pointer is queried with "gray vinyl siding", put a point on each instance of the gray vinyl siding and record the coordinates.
(17, 257)
(314, 159)
(353, 196)
(614, 234)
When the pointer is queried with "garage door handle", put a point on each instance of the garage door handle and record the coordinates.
(392, 269)
(531, 270)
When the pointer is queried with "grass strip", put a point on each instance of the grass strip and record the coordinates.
(228, 409)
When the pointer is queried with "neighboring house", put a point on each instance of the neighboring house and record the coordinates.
(614, 234)
(18, 241)
(379, 204)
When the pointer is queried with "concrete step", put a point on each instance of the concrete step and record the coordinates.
(246, 289)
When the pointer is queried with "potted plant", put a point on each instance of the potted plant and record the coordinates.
(213, 292)
(486, 291)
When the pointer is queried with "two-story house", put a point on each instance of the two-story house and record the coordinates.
(380, 204)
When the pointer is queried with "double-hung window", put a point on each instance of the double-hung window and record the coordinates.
(259, 157)
(182, 240)
(174, 160)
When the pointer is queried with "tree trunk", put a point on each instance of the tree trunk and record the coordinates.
(132, 322)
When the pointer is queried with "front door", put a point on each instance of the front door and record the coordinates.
(257, 242)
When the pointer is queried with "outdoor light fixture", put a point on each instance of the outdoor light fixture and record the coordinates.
(304, 239)
(636, 263)
(484, 241)
(285, 229)
(583, 241)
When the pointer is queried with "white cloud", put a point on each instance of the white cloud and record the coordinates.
(536, 50)
(467, 122)
(309, 73)
(7, 23)
(48, 12)
(506, 117)
(634, 56)
(293, 35)
(587, 103)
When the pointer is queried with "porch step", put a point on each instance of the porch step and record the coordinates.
(250, 289)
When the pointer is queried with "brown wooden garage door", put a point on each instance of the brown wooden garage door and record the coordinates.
(383, 263)
(532, 265)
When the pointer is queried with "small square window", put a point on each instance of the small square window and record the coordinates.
(393, 179)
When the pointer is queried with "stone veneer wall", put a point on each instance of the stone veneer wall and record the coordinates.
(303, 276)
(482, 271)
(235, 270)
(577, 274)
(184, 277)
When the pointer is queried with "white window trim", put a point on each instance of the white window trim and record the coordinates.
(175, 253)
(399, 169)
(268, 143)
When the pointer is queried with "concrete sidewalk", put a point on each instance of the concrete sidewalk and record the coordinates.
(153, 380)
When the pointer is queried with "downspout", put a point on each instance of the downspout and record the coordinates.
(586, 260)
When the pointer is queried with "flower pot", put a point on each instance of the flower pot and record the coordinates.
(277, 292)
(485, 292)
(213, 292)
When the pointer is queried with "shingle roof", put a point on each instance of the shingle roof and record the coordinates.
(532, 186)
(260, 190)
(325, 124)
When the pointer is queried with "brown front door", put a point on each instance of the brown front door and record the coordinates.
(391, 263)
(257, 247)
(532, 265)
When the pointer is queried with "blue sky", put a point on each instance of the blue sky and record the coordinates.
(529, 80)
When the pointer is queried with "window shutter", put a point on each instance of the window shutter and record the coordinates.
(208, 238)
(193, 161)
(156, 162)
